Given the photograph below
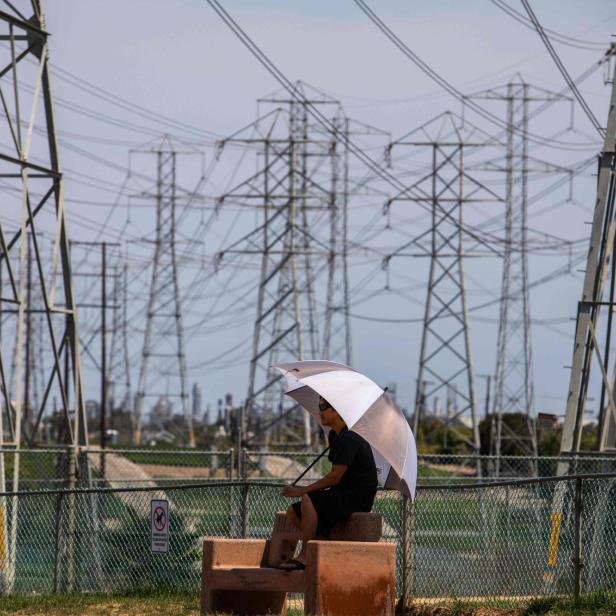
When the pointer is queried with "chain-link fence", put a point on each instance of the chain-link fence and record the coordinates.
(526, 538)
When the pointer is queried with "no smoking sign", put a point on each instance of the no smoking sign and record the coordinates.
(159, 526)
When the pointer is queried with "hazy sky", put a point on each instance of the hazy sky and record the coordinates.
(179, 60)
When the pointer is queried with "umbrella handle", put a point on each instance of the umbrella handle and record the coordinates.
(311, 465)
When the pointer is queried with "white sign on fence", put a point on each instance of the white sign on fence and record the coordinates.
(159, 532)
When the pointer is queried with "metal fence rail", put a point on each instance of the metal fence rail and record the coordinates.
(149, 467)
(473, 540)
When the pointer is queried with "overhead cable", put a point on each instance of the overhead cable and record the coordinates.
(473, 105)
(563, 70)
(557, 36)
(325, 122)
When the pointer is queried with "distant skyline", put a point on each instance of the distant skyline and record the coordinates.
(184, 64)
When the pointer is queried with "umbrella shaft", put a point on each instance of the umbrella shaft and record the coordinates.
(311, 465)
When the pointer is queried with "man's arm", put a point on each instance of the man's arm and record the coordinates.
(331, 479)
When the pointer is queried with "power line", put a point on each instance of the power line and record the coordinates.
(563, 70)
(557, 36)
(424, 67)
(325, 122)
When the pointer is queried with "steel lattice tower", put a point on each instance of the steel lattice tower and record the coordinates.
(300, 189)
(163, 342)
(445, 361)
(513, 385)
(337, 327)
(513, 379)
(28, 119)
(593, 337)
(119, 369)
(599, 278)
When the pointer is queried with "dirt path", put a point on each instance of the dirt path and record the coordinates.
(122, 473)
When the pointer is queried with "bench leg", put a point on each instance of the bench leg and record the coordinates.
(350, 579)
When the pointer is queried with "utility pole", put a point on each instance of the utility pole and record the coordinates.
(104, 376)
(99, 324)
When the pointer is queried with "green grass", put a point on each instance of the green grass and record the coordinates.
(599, 604)
(592, 604)
(174, 603)
(161, 602)
(172, 458)
(167, 602)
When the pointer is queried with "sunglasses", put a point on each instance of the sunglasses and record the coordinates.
(323, 406)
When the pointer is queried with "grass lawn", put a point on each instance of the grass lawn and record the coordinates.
(594, 604)
(187, 604)
(125, 604)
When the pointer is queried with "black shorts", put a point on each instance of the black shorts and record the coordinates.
(332, 506)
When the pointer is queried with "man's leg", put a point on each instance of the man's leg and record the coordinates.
(309, 523)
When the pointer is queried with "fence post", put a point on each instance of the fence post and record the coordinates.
(408, 538)
(240, 462)
(72, 520)
(56, 542)
(244, 464)
(404, 534)
(230, 465)
(508, 510)
(577, 547)
(244, 510)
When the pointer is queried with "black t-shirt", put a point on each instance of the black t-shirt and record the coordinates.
(353, 450)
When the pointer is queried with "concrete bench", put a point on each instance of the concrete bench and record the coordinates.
(350, 574)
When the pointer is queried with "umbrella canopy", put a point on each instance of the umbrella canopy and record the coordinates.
(366, 409)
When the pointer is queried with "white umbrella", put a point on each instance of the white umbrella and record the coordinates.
(366, 409)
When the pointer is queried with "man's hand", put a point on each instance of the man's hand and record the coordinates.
(292, 491)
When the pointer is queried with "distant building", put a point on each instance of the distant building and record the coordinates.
(197, 401)
(207, 418)
(220, 417)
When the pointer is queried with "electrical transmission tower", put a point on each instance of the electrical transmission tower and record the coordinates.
(163, 356)
(301, 191)
(513, 379)
(32, 350)
(119, 368)
(599, 279)
(337, 326)
(33, 206)
(447, 188)
(593, 337)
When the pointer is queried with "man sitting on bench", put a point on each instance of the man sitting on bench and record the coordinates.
(350, 486)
